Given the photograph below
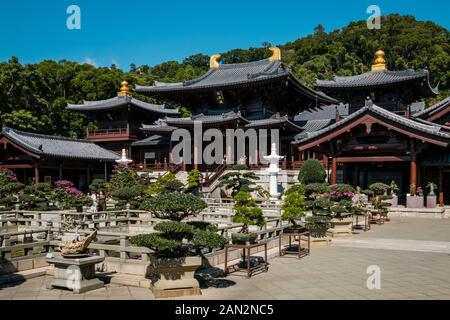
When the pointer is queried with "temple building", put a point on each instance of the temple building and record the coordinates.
(43, 158)
(254, 95)
(380, 139)
(119, 121)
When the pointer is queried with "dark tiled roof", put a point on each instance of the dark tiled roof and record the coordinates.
(323, 112)
(433, 109)
(120, 102)
(207, 119)
(59, 147)
(274, 120)
(315, 124)
(151, 141)
(239, 74)
(412, 124)
(377, 78)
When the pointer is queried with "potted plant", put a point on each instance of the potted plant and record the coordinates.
(246, 212)
(9, 189)
(69, 197)
(293, 208)
(394, 189)
(431, 197)
(342, 209)
(177, 245)
(194, 181)
(35, 197)
(317, 201)
(414, 199)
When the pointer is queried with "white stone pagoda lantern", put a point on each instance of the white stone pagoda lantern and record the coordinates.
(124, 161)
(273, 171)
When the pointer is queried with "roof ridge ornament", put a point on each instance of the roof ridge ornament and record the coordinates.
(380, 62)
(124, 90)
(276, 54)
(213, 64)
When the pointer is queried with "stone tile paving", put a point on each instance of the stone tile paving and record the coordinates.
(331, 272)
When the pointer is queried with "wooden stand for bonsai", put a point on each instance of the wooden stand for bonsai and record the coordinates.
(367, 218)
(246, 247)
(301, 252)
(378, 216)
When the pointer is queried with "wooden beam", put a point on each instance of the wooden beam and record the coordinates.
(373, 159)
(16, 166)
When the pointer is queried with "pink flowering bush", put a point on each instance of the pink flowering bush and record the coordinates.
(68, 196)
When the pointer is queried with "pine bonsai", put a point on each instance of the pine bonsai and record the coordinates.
(238, 180)
(293, 208)
(247, 212)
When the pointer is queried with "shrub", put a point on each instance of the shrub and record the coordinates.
(174, 206)
(316, 189)
(379, 188)
(98, 185)
(312, 171)
(297, 188)
(293, 207)
(194, 180)
(237, 180)
(247, 212)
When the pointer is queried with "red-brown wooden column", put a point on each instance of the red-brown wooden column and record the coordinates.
(413, 166)
(36, 174)
(334, 171)
(440, 186)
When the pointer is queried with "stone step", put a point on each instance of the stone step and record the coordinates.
(24, 275)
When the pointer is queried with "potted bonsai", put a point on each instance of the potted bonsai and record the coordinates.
(317, 201)
(246, 212)
(177, 245)
(394, 189)
(238, 180)
(342, 209)
(381, 200)
(431, 197)
(414, 199)
(293, 208)
(9, 189)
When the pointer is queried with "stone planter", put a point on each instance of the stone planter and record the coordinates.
(174, 277)
(341, 227)
(431, 201)
(414, 202)
(393, 201)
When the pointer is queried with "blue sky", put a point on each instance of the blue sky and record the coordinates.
(153, 31)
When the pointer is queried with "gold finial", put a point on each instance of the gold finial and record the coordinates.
(213, 64)
(124, 90)
(276, 54)
(380, 63)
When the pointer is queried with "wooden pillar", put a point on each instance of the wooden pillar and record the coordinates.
(441, 187)
(88, 175)
(36, 173)
(106, 171)
(60, 172)
(413, 171)
(334, 171)
(325, 161)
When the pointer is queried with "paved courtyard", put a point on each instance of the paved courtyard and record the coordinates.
(412, 254)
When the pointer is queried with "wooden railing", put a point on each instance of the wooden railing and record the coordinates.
(109, 134)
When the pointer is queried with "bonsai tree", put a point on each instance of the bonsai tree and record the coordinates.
(295, 189)
(312, 171)
(432, 186)
(174, 206)
(128, 195)
(35, 197)
(380, 192)
(174, 238)
(98, 185)
(247, 212)
(165, 183)
(194, 180)
(9, 189)
(394, 187)
(412, 190)
(293, 208)
(237, 180)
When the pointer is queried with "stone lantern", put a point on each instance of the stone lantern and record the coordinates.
(124, 160)
(273, 171)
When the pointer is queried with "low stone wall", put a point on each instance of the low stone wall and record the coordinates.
(426, 213)
(22, 264)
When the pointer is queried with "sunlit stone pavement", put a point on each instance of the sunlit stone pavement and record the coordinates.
(338, 271)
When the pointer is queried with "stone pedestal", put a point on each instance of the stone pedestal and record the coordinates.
(431, 201)
(414, 202)
(77, 275)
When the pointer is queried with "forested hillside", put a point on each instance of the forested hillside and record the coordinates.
(33, 96)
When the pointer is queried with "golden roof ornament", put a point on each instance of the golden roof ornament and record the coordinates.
(124, 90)
(379, 63)
(276, 54)
(213, 64)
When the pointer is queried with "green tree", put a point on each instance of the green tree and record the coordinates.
(312, 171)
(293, 208)
(246, 211)
(238, 180)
